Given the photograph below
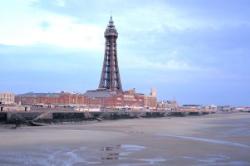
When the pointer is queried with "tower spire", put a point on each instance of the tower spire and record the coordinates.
(111, 20)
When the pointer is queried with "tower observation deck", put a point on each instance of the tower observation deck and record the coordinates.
(110, 77)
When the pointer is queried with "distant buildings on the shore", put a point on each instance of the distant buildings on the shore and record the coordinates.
(126, 101)
(101, 99)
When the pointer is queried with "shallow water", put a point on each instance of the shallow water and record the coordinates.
(216, 160)
(207, 140)
(62, 156)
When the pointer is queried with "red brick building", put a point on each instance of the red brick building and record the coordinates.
(50, 98)
(97, 98)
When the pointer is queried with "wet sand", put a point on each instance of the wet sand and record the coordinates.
(216, 139)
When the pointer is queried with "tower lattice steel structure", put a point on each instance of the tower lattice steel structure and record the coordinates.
(110, 77)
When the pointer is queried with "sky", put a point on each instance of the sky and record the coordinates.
(193, 51)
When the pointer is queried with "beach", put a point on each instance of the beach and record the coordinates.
(214, 139)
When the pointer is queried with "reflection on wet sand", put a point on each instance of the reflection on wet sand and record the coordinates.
(111, 152)
(120, 151)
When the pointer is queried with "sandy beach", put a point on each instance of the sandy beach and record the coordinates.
(215, 139)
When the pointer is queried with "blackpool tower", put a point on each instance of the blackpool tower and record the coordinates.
(110, 77)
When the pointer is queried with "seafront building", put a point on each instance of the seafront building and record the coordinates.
(7, 98)
(169, 106)
(129, 100)
(7, 103)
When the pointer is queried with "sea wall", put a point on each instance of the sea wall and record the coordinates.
(53, 117)
(3, 116)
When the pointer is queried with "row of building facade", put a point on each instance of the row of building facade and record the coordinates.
(99, 98)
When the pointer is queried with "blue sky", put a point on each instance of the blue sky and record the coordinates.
(190, 50)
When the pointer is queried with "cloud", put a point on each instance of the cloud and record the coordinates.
(168, 64)
(60, 3)
(66, 32)
(48, 28)
(54, 30)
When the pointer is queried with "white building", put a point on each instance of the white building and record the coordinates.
(168, 106)
(7, 98)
